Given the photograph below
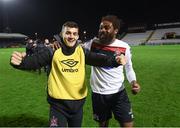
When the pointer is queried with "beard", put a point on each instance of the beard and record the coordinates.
(105, 38)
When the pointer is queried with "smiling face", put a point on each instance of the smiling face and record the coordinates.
(70, 35)
(107, 33)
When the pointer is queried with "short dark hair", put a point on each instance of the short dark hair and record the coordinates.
(116, 22)
(70, 24)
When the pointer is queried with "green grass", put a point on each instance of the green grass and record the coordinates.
(23, 94)
(158, 71)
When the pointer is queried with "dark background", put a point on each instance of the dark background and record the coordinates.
(46, 16)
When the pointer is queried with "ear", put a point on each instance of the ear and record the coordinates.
(77, 37)
(60, 34)
(116, 31)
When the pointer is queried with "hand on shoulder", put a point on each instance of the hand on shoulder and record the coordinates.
(121, 59)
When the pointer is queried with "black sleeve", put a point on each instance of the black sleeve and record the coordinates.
(37, 60)
(96, 59)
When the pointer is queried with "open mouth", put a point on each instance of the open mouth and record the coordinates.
(71, 40)
(102, 35)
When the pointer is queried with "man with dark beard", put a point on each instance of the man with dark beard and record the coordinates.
(107, 83)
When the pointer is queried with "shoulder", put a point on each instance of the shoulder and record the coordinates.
(57, 51)
(80, 47)
(121, 43)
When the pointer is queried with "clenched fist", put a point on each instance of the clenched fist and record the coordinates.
(121, 59)
(17, 57)
(135, 87)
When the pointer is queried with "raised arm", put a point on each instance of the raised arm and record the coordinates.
(19, 60)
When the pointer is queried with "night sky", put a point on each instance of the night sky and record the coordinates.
(46, 16)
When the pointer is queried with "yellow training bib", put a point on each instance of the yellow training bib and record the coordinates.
(67, 76)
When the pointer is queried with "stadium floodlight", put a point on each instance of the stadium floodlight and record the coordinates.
(5, 10)
(6, 0)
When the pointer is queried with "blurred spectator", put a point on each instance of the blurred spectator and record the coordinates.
(30, 47)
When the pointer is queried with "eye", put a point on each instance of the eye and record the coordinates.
(106, 27)
(68, 33)
(75, 33)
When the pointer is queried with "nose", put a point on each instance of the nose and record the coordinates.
(71, 35)
(102, 29)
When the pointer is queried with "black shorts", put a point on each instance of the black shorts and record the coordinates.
(118, 104)
(66, 113)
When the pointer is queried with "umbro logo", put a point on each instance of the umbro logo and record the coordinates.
(69, 62)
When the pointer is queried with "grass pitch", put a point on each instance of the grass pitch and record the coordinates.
(23, 94)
